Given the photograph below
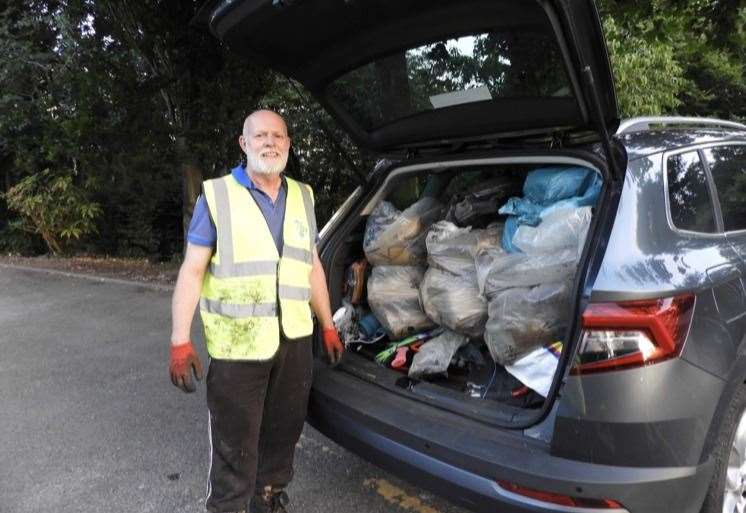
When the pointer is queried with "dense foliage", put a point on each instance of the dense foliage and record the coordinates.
(133, 106)
(683, 57)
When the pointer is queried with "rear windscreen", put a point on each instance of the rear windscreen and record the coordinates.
(481, 67)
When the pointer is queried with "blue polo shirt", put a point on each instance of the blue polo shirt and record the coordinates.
(202, 230)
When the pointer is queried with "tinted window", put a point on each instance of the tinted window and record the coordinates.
(475, 68)
(689, 197)
(728, 167)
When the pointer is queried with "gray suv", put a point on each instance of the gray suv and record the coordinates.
(645, 409)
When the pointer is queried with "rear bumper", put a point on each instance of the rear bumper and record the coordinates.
(462, 460)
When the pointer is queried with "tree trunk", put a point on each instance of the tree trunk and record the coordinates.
(191, 175)
(51, 242)
(6, 166)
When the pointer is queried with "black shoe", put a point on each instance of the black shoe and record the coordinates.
(269, 500)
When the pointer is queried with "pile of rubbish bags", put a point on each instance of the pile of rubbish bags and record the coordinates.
(440, 291)
(449, 292)
(394, 243)
(527, 281)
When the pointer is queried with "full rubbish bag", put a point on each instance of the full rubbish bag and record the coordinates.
(561, 229)
(398, 238)
(546, 190)
(454, 301)
(522, 319)
(393, 297)
(452, 249)
(550, 253)
(436, 354)
(498, 270)
(549, 185)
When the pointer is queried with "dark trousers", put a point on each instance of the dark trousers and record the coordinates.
(257, 411)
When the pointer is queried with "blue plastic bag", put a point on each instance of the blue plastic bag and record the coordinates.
(523, 210)
(587, 199)
(511, 226)
(546, 190)
(551, 184)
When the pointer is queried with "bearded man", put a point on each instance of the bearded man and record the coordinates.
(251, 263)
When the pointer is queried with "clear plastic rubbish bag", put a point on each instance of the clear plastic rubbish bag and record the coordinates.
(558, 230)
(382, 217)
(498, 270)
(522, 319)
(452, 249)
(398, 238)
(345, 320)
(435, 355)
(355, 327)
(454, 301)
(393, 297)
(536, 369)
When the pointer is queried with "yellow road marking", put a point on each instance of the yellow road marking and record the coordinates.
(398, 497)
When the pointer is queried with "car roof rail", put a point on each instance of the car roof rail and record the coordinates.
(647, 123)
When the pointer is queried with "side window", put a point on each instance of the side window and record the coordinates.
(688, 194)
(728, 168)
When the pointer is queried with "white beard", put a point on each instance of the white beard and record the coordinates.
(258, 165)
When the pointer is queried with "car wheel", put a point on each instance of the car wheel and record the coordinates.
(727, 492)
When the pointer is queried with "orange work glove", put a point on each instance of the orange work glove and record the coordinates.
(332, 344)
(183, 360)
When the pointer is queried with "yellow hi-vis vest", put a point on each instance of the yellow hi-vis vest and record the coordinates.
(247, 278)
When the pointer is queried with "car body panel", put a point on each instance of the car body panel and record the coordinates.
(648, 257)
(645, 258)
(652, 416)
(462, 459)
(738, 240)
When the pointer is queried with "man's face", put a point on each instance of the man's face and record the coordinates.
(266, 143)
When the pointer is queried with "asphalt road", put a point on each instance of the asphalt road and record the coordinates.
(91, 423)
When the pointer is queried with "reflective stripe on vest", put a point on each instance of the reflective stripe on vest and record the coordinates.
(246, 276)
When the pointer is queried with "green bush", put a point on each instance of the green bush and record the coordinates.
(51, 206)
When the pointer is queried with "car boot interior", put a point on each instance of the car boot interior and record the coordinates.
(455, 283)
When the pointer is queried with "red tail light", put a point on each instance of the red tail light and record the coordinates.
(633, 333)
(562, 500)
